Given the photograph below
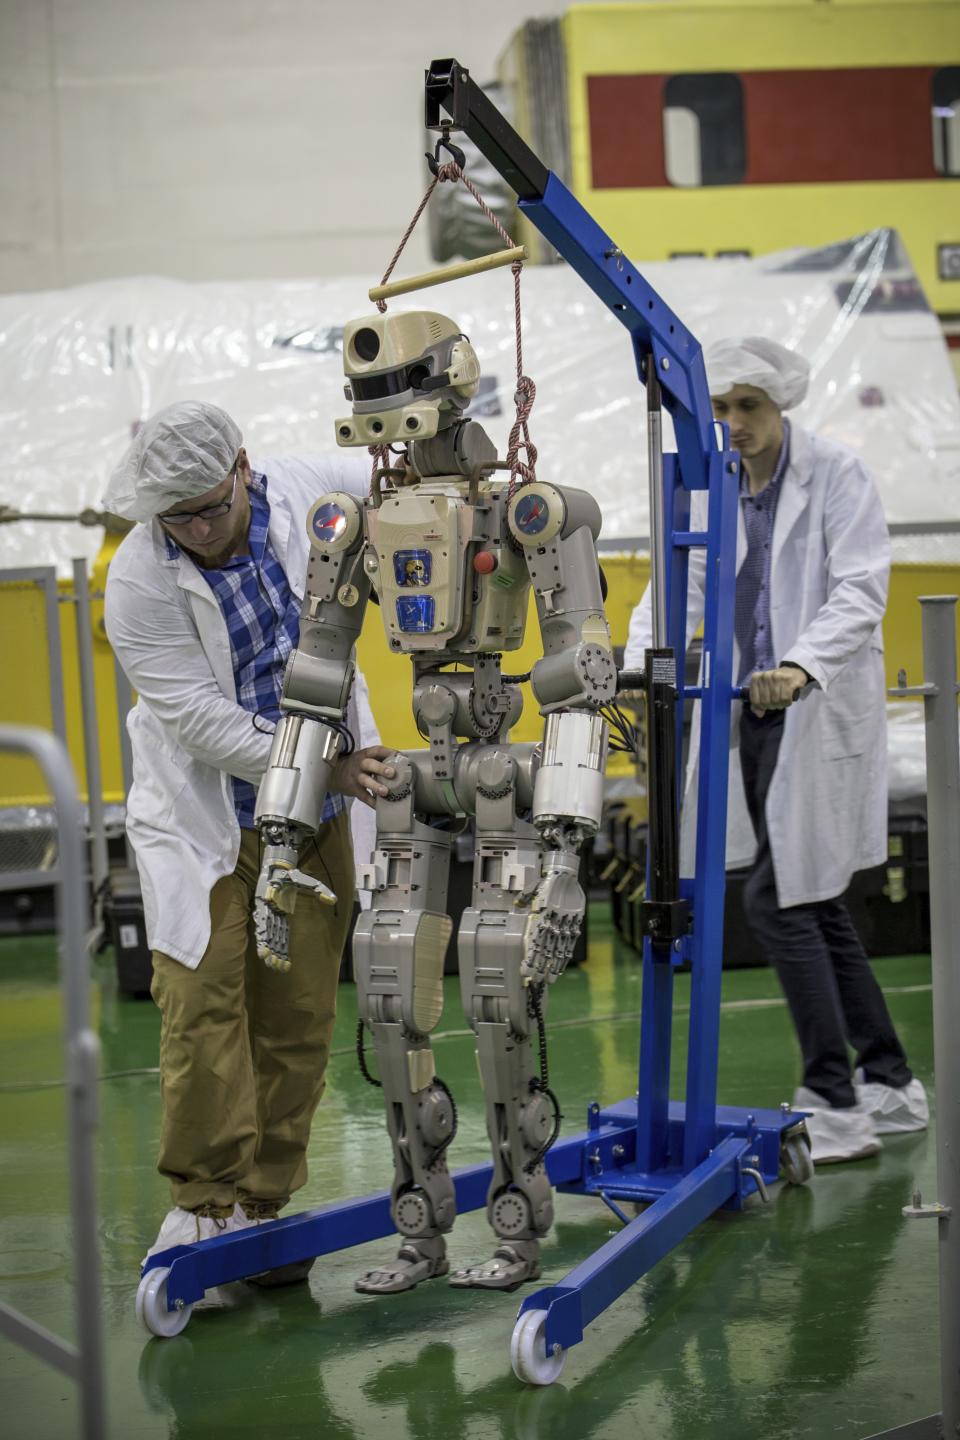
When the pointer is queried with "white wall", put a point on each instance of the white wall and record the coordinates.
(220, 139)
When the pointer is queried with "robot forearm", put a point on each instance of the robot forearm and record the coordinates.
(306, 747)
(294, 788)
(568, 791)
(567, 805)
(289, 807)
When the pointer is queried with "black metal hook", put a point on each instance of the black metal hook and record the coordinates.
(445, 143)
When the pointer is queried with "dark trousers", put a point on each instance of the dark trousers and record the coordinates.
(830, 988)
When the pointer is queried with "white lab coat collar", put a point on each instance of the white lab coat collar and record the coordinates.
(792, 501)
(203, 601)
(794, 491)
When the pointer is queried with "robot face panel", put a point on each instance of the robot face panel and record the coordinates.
(406, 374)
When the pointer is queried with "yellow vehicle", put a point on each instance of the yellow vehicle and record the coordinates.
(702, 127)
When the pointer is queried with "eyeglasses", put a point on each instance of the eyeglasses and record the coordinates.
(210, 512)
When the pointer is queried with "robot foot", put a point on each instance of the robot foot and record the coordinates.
(416, 1260)
(512, 1265)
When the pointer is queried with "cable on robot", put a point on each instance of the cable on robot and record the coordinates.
(362, 1059)
(627, 741)
(444, 1145)
(266, 726)
(495, 792)
(541, 1083)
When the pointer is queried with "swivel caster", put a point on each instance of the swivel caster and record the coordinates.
(152, 1309)
(796, 1162)
(528, 1351)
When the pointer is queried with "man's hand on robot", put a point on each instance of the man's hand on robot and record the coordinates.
(553, 925)
(356, 774)
(273, 904)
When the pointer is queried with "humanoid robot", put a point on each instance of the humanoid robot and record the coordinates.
(450, 559)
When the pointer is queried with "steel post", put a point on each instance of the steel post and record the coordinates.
(99, 863)
(658, 574)
(85, 1360)
(58, 709)
(124, 706)
(943, 825)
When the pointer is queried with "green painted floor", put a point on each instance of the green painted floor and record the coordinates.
(812, 1317)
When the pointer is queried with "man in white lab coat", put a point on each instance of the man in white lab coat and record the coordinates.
(202, 609)
(808, 788)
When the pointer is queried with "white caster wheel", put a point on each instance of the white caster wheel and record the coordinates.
(528, 1352)
(796, 1162)
(152, 1309)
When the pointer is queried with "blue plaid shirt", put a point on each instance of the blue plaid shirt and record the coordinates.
(752, 620)
(263, 622)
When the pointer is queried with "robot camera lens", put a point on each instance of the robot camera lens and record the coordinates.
(366, 344)
(376, 426)
(416, 376)
(412, 423)
(346, 431)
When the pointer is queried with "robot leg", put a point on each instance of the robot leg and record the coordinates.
(507, 1018)
(399, 948)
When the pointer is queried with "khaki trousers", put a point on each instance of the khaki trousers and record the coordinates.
(243, 1049)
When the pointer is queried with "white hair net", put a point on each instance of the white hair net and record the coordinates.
(184, 450)
(778, 372)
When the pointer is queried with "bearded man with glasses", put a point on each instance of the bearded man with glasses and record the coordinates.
(202, 609)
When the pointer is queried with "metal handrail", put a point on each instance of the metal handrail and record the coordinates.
(83, 1362)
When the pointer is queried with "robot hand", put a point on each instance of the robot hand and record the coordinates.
(274, 899)
(556, 915)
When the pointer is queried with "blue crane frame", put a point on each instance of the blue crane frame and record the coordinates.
(684, 1159)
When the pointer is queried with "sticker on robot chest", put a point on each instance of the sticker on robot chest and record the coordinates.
(412, 567)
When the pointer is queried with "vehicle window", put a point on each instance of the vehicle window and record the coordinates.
(946, 120)
(703, 133)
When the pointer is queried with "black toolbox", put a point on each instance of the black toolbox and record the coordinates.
(126, 931)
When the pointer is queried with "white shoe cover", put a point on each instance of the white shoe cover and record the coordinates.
(183, 1227)
(837, 1135)
(895, 1112)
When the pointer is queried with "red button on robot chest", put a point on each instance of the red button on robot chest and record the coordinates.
(485, 563)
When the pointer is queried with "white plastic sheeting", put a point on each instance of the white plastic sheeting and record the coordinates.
(906, 749)
(81, 368)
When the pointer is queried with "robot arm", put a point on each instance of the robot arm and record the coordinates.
(309, 736)
(556, 530)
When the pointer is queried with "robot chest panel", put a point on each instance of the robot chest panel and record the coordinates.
(422, 559)
(416, 562)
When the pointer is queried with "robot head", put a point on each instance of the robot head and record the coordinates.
(408, 376)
